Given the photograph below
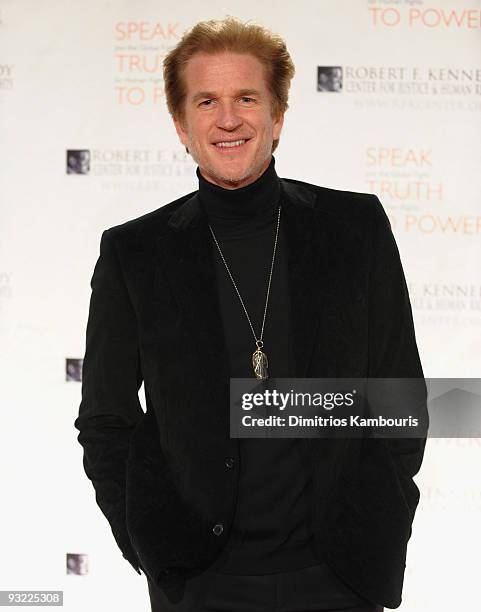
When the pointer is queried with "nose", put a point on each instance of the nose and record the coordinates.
(227, 117)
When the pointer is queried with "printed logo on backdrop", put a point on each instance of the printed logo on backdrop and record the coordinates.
(73, 369)
(417, 14)
(5, 286)
(78, 161)
(6, 77)
(77, 564)
(329, 78)
(6, 70)
(451, 303)
(450, 88)
(464, 497)
(410, 184)
(133, 169)
(140, 48)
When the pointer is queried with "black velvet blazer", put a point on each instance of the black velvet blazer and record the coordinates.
(161, 477)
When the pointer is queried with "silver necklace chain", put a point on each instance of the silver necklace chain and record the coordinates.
(259, 342)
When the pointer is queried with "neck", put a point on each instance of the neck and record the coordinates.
(242, 211)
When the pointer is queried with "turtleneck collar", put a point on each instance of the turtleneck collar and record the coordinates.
(244, 211)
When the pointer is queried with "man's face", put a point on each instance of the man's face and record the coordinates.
(227, 100)
(336, 79)
(84, 159)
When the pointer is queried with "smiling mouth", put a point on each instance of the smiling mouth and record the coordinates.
(229, 145)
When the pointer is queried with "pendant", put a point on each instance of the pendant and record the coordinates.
(259, 361)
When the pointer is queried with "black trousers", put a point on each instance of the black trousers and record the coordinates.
(294, 591)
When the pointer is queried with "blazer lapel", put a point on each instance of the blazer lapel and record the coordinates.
(307, 256)
(185, 253)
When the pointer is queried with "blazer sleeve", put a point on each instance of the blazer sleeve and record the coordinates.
(393, 351)
(111, 378)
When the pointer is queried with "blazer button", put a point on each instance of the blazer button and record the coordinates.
(229, 462)
(218, 529)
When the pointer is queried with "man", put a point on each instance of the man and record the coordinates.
(249, 276)
(329, 78)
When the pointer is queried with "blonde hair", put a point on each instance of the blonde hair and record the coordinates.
(230, 34)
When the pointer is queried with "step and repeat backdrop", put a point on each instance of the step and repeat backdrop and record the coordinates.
(386, 99)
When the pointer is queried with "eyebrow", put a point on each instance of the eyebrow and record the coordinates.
(210, 94)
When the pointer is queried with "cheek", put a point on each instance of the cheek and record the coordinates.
(268, 126)
(199, 133)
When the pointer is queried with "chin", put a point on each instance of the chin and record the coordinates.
(234, 172)
(233, 178)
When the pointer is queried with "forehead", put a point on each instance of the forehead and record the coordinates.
(221, 71)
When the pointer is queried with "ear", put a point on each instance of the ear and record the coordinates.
(179, 128)
(277, 127)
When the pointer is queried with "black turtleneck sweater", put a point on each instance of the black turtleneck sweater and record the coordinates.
(271, 530)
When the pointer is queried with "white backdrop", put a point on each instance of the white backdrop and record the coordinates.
(87, 76)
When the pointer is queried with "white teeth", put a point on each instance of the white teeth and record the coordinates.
(230, 144)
